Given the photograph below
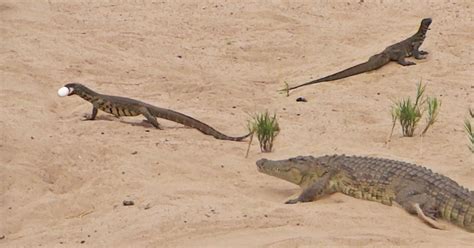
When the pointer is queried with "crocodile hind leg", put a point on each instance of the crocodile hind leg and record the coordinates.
(314, 191)
(426, 219)
(420, 204)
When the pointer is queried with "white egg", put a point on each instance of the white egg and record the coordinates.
(64, 91)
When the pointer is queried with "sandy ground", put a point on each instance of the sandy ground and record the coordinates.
(63, 180)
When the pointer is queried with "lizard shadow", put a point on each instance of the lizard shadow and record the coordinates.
(105, 118)
(147, 124)
(99, 118)
(143, 123)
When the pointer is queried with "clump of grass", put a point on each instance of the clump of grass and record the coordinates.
(286, 89)
(409, 112)
(395, 113)
(470, 134)
(470, 130)
(433, 110)
(266, 128)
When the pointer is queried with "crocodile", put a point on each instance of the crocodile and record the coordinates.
(123, 106)
(417, 189)
(396, 52)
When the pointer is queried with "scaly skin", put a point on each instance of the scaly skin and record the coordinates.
(122, 106)
(417, 189)
(396, 52)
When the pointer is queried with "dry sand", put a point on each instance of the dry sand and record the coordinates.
(63, 180)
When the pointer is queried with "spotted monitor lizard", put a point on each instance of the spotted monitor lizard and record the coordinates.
(415, 188)
(122, 106)
(396, 52)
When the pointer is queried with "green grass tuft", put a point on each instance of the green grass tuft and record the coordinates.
(420, 91)
(433, 110)
(266, 128)
(395, 113)
(409, 113)
(470, 130)
(286, 89)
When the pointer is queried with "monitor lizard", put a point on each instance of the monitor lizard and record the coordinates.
(123, 106)
(396, 52)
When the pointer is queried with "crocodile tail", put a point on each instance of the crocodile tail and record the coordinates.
(191, 122)
(461, 214)
(373, 63)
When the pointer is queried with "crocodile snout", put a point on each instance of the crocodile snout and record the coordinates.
(260, 163)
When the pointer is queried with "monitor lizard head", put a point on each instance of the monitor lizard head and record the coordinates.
(74, 88)
(298, 170)
(425, 25)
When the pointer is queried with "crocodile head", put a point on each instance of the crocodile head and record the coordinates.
(295, 170)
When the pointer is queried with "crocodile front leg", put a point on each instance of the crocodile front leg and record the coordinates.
(91, 116)
(314, 191)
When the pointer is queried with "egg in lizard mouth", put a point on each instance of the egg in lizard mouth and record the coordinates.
(64, 91)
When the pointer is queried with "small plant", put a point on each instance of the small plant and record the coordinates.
(286, 90)
(409, 113)
(433, 110)
(266, 128)
(470, 134)
(395, 113)
(470, 130)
